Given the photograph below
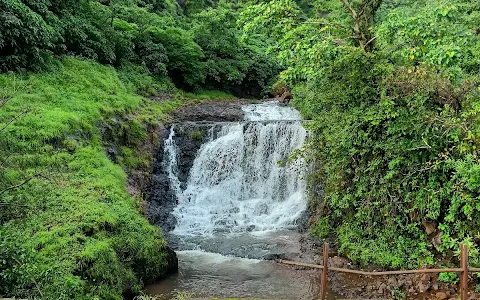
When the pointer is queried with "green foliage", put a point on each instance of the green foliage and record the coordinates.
(203, 50)
(322, 228)
(196, 135)
(441, 33)
(451, 278)
(399, 294)
(394, 125)
(209, 95)
(79, 234)
(26, 40)
(217, 35)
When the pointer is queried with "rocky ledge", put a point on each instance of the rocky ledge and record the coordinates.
(213, 111)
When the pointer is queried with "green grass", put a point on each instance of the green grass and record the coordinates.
(73, 231)
(210, 95)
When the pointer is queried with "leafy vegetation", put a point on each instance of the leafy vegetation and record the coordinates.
(203, 50)
(70, 131)
(70, 230)
(392, 88)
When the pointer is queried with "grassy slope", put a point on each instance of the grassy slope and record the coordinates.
(74, 232)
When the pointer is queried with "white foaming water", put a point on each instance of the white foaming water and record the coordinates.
(170, 159)
(237, 209)
(269, 111)
(241, 180)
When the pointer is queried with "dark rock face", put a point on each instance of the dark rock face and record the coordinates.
(161, 198)
(172, 260)
(189, 137)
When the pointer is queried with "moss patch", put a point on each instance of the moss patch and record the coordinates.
(73, 231)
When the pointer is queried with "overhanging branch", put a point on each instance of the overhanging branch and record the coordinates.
(370, 41)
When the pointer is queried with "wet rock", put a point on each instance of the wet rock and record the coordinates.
(423, 287)
(402, 281)
(189, 137)
(425, 277)
(216, 111)
(336, 262)
(250, 228)
(162, 199)
(172, 261)
(429, 227)
(382, 288)
(441, 296)
(274, 256)
(392, 281)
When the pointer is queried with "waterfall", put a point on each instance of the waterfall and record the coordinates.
(170, 162)
(241, 179)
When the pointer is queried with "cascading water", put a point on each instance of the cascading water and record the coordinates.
(243, 196)
(170, 159)
(237, 182)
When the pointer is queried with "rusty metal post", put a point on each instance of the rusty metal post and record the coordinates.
(324, 272)
(464, 266)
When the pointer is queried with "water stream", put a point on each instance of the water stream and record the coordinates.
(242, 203)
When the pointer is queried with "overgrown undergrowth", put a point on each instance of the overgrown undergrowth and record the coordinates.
(69, 228)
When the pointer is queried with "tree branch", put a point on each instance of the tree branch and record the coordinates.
(13, 120)
(36, 175)
(349, 7)
(363, 9)
(4, 101)
(370, 41)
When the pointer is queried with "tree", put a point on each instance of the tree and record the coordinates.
(362, 15)
(26, 40)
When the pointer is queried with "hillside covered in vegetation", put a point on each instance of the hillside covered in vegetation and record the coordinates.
(84, 87)
(391, 88)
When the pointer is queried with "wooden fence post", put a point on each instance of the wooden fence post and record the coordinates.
(464, 266)
(324, 272)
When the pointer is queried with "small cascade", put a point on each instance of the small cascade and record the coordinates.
(237, 196)
(242, 179)
(171, 162)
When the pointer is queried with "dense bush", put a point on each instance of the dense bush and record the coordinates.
(395, 133)
(394, 121)
(231, 63)
(201, 50)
